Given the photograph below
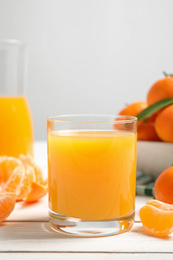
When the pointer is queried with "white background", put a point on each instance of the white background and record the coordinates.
(89, 56)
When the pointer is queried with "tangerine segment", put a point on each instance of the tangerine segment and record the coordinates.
(27, 160)
(156, 221)
(7, 166)
(37, 192)
(27, 182)
(7, 204)
(160, 205)
(15, 181)
(11, 194)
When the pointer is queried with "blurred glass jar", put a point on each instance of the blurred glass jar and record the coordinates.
(16, 127)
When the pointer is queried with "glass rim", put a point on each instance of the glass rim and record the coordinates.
(62, 118)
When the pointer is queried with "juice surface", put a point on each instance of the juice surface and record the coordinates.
(16, 132)
(92, 175)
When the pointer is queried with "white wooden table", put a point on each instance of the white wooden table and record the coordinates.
(26, 234)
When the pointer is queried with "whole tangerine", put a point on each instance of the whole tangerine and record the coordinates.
(134, 108)
(163, 189)
(161, 89)
(146, 131)
(164, 124)
(145, 128)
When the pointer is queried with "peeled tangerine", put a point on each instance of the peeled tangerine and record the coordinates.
(157, 218)
(22, 177)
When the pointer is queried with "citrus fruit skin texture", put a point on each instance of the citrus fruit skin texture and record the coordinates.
(145, 128)
(7, 204)
(146, 131)
(163, 189)
(164, 124)
(161, 89)
(134, 109)
(156, 221)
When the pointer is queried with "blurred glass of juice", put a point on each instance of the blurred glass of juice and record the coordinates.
(16, 127)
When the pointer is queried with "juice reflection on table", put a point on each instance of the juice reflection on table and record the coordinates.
(92, 175)
(16, 130)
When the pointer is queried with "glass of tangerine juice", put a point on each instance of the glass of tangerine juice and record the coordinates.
(92, 174)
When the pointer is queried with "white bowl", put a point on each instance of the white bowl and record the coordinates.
(154, 157)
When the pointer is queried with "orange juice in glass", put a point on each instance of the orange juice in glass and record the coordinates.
(16, 128)
(92, 174)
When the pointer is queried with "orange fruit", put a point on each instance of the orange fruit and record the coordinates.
(164, 124)
(156, 221)
(134, 109)
(161, 89)
(145, 128)
(15, 181)
(22, 177)
(27, 160)
(7, 166)
(27, 182)
(163, 189)
(146, 131)
(36, 186)
(37, 192)
(7, 204)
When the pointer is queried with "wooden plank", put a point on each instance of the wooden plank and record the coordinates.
(37, 237)
(84, 256)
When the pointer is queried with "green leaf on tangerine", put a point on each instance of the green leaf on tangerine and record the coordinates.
(154, 107)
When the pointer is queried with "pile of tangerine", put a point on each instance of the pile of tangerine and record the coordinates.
(158, 126)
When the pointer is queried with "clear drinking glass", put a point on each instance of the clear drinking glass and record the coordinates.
(16, 128)
(92, 174)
